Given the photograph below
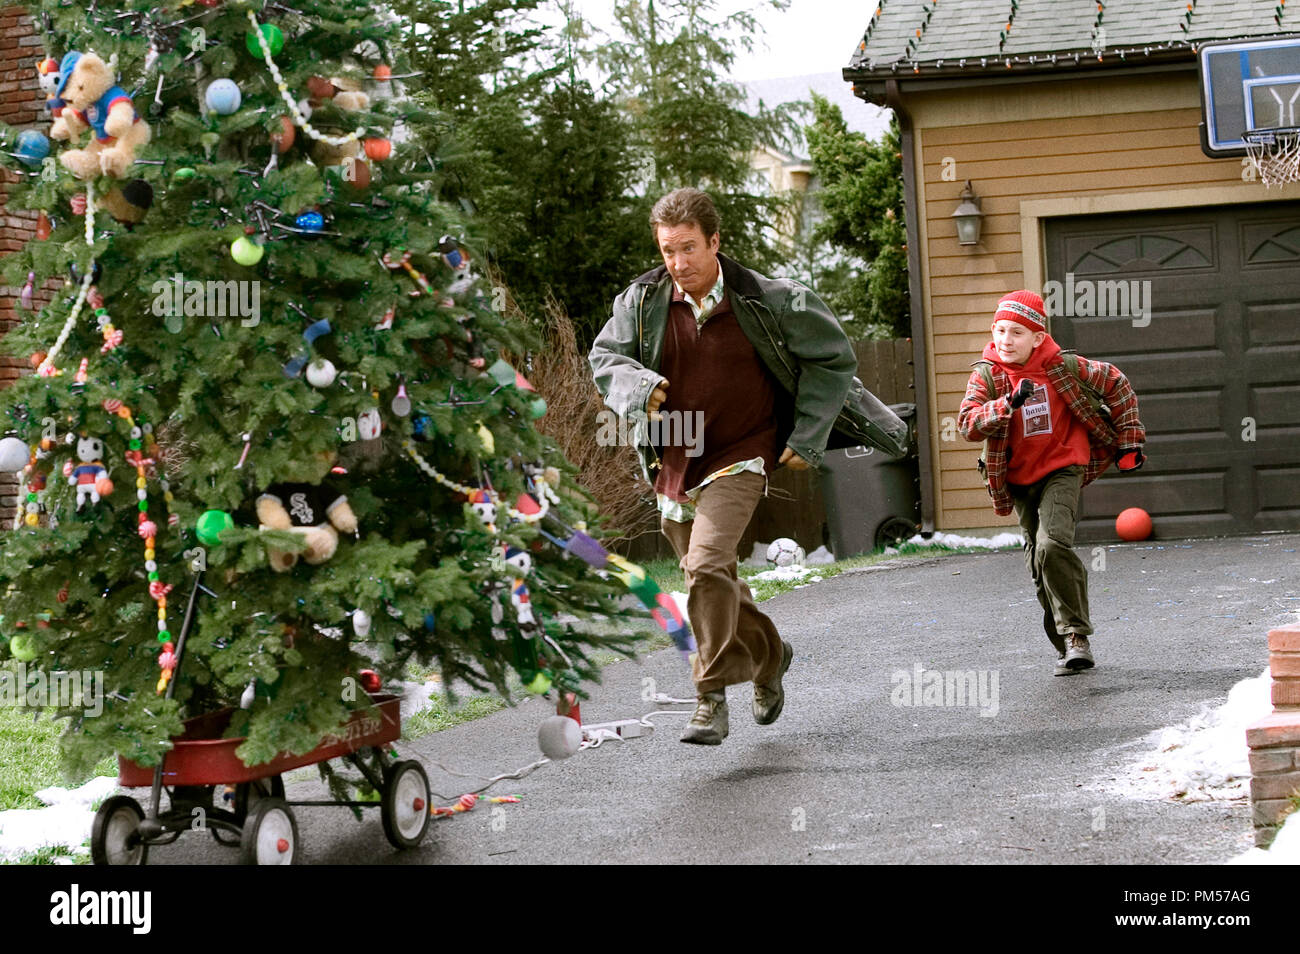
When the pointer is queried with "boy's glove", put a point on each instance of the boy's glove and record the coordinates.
(1022, 393)
(1130, 459)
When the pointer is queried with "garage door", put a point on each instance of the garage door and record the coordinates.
(1216, 364)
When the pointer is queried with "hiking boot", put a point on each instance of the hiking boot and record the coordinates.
(708, 726)
(1061, 669)
(1078, 655)
(769, 698)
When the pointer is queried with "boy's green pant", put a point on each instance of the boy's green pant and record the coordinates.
(1048, 512)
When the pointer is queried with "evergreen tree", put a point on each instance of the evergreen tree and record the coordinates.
(861, 196)
(280, 298)
(669, 72)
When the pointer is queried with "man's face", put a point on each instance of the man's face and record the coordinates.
(1014, 342)
(692, 260)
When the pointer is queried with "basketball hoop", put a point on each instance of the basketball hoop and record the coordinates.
(1275, 154)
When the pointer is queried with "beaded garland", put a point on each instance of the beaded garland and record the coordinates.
(141, 458)
(46, 368)
(299, 119)
(450, 484)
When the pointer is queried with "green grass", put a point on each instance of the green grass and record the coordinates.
(29, 758)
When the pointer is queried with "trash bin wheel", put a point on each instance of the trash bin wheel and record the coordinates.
(894, 531)
(270, 834)
(405, 805)
(115, 834)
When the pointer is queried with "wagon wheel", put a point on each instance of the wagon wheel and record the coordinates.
(405, 805)
(270, 834)
(115, 834)
(247, 795)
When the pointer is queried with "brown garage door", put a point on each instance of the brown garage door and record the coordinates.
(1217, 369)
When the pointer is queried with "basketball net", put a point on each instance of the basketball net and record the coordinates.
(1275, 154)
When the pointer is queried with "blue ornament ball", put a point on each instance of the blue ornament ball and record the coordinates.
(310, 222)
(223, 97)
(32, 147)
(430, 622)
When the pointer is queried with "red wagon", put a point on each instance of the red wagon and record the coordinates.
(260, 820)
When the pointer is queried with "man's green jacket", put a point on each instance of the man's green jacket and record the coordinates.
(820, 404)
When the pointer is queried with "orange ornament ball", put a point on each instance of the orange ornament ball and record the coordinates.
(320, 88)
(378, 149)
(103, 486)
(383, 71)
(1133, 524)
(356, 173)
(283, 140)
(36, 358)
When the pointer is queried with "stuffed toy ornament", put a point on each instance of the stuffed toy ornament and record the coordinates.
(306, 505)
(92, 100)
(90, 477)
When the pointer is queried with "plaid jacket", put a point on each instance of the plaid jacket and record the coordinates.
(1113, 429)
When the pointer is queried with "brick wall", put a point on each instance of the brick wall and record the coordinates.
(21, 104)
(1275, 741)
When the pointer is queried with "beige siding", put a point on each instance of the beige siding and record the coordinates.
(1093, 138)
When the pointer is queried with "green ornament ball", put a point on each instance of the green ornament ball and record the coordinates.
(211, 525)
(540, 684)
(183, 174)
(538, 407)
(22, 649)
(245, 251)
(274, 40)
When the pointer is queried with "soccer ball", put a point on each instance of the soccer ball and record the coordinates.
(784, 552)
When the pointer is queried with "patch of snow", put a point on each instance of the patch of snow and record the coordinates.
(416, 696)
(759, 555)
(1285, 849)
(1205, 758)
(819, 557)
(791, 572)
(66, 822)
(997, 542)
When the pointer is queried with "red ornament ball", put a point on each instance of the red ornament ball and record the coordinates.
(370, 680)
(383, 71)
(378, 149)
(103, 486)
(1133, 524)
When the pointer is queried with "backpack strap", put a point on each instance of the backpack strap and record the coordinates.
(985, 369)
(1071, 361)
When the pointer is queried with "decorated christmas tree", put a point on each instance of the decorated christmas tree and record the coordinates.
(274, 370)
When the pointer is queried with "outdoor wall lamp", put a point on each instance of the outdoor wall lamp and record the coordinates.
(968, 216)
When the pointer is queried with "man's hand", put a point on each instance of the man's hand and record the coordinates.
(1023, 393)
(792, 460)
(657, 398)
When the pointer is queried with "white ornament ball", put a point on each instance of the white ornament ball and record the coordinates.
(223, 97)
(361, 623)
(14, 455)
(559, 737)
(321, 373)
(784, 552)
(369, 424)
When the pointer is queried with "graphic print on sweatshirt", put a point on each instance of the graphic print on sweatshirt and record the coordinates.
(1036, 413)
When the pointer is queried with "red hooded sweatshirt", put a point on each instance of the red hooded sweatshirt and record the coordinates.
(1044, 435)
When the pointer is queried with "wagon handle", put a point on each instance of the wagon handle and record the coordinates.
(150, 826)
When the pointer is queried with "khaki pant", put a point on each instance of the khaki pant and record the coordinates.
(1049, 512)
(736, 642)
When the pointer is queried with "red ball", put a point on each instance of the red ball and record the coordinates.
(370, 680)
(1133, 524)
(378, 149)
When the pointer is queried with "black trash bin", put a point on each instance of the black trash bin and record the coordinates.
(872, 500)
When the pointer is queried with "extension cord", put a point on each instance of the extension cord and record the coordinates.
(623, 729)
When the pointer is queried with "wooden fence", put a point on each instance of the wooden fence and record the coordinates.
(794, 507)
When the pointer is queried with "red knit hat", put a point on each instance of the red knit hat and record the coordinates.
(1023, 307)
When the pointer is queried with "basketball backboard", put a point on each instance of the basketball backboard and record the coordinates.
(1246, 86)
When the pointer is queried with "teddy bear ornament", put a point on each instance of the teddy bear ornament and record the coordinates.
(91, 99)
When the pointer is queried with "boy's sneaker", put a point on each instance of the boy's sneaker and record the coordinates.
(708, 726)
(1078, 654)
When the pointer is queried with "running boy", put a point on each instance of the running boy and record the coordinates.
(1052, 421)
